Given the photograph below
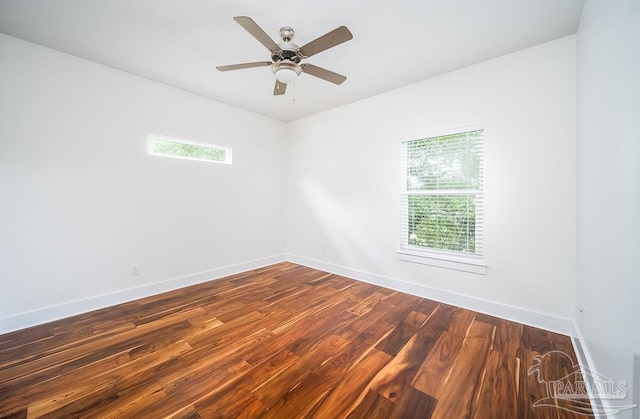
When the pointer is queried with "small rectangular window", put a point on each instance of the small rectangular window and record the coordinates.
(442, 179)
(158, 145)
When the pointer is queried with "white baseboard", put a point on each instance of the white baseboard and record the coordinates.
(47, 314)
(492, 308)
(587, 367)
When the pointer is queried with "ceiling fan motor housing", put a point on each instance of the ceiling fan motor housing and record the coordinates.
(288, 51)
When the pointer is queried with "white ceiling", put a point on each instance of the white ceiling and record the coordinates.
(395, 43)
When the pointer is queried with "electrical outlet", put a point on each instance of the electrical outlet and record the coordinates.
(135, 270)
(324, 252)
(583, 313)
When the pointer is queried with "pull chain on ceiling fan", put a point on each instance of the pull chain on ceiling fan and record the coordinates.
(286, 57)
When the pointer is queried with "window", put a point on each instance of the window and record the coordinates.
(442, 195)
(158, 145)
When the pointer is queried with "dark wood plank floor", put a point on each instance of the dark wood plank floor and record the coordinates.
(283, 341)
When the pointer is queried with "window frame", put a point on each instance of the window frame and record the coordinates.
(227, 149)
(467, 262)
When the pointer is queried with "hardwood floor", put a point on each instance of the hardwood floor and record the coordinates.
(283, 341)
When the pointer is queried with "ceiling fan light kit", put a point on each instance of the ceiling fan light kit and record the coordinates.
(287, 57)
(286, 72)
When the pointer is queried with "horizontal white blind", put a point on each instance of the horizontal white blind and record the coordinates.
(442, 193)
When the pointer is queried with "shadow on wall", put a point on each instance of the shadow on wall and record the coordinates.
(345, 232)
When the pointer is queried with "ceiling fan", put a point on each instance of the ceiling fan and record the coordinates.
(286, 56)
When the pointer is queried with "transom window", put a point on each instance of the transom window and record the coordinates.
(442, 193)
(158, 145)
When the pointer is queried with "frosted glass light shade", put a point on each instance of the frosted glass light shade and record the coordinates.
(286, 75)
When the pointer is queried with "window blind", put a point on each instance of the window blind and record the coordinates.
(442, 182)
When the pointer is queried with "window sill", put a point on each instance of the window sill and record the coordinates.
(441, 260)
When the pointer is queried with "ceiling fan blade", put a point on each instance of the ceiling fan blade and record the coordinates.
(323, 73)
(243, 65)
(279, 88)
(326, 41)
(256, 31)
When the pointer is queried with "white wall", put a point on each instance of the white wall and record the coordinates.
(609, 186)
(81, 202)
(344, 182)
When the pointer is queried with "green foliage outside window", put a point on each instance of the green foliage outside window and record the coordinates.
(190, 151)
(449, 162)
(443, 222)
(443, 181)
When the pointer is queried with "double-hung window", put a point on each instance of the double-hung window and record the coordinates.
(442, 179)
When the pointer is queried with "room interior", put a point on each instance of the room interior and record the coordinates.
(315, 177)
